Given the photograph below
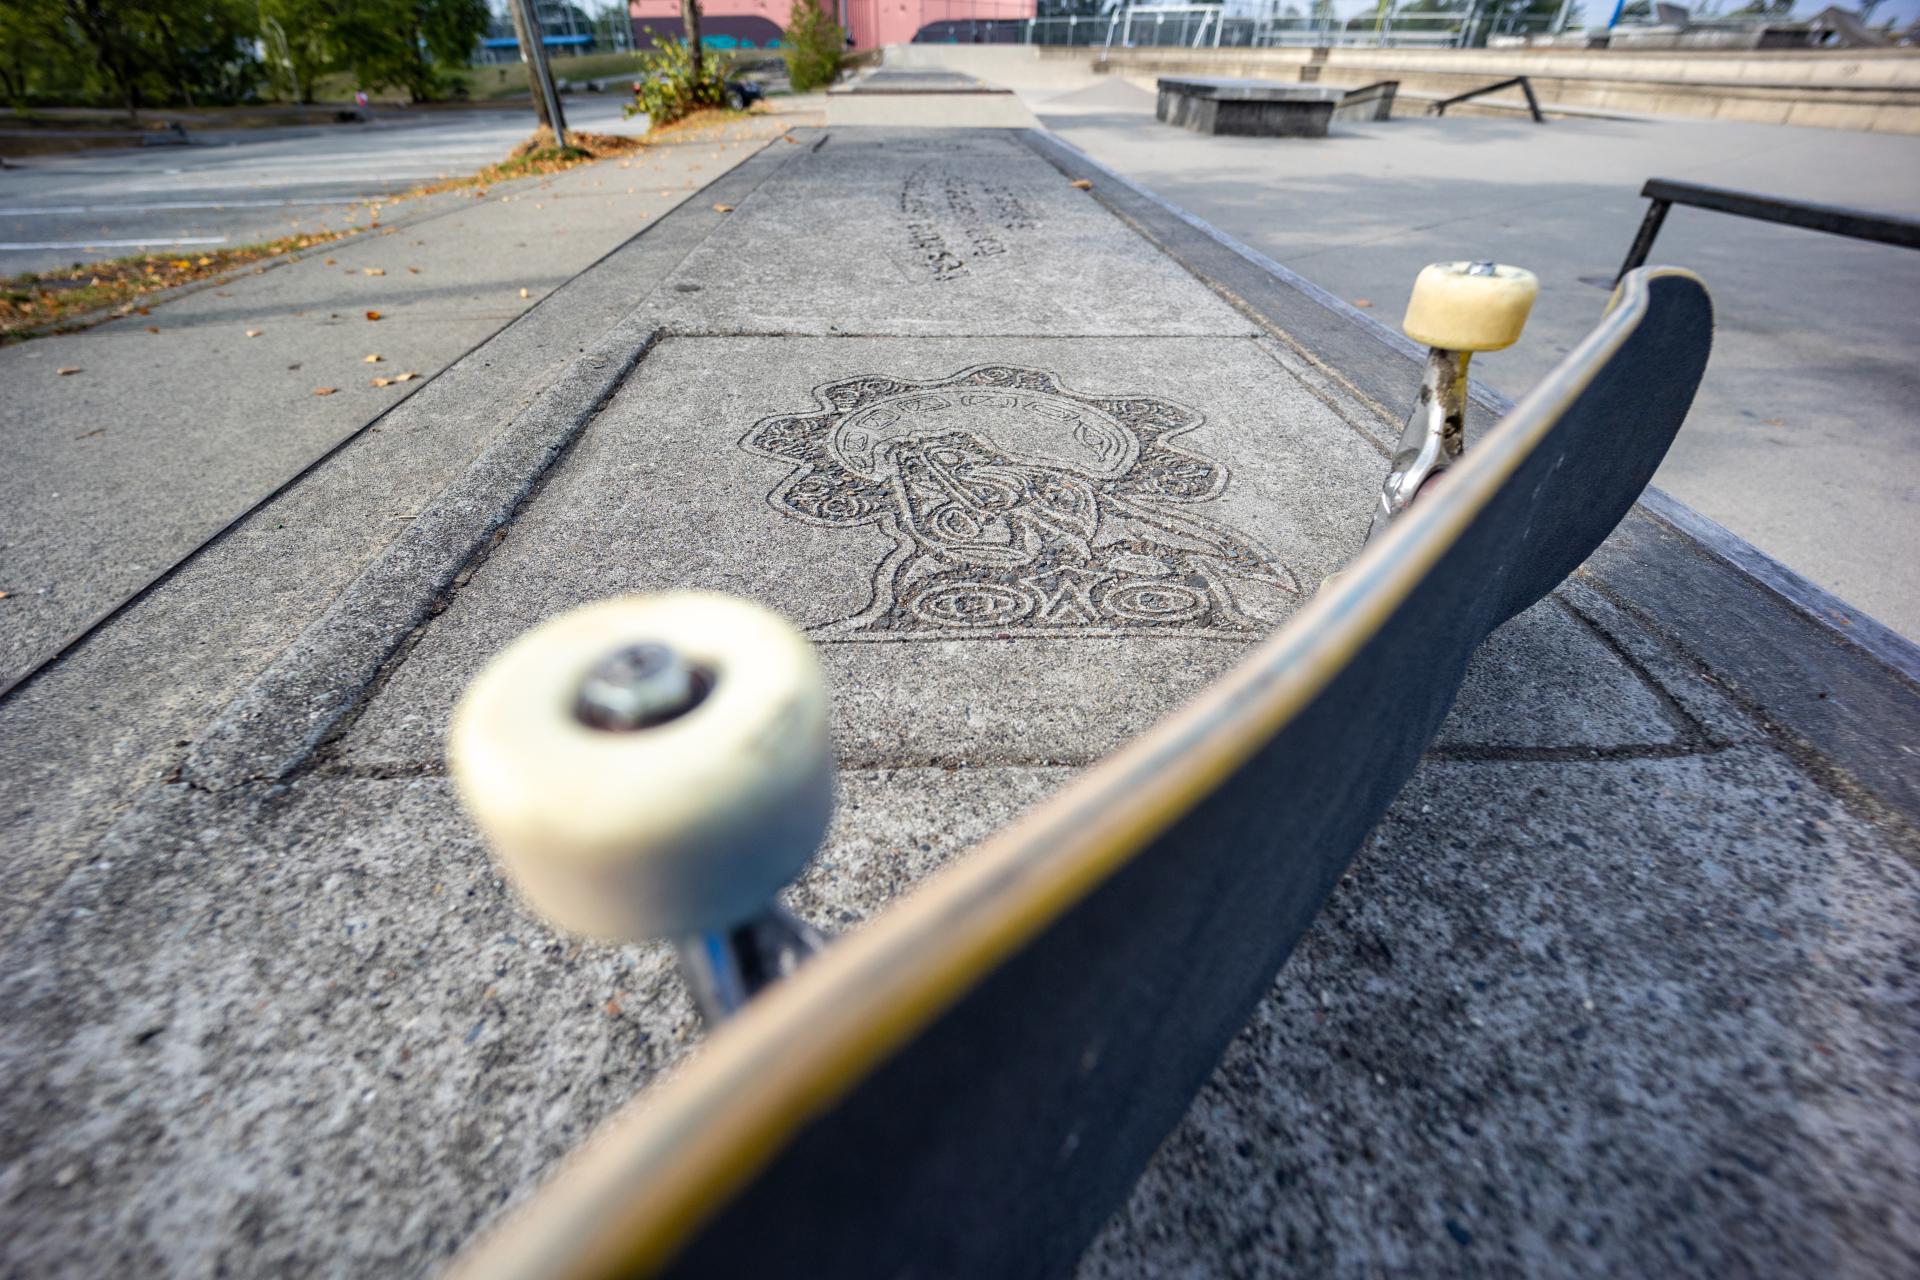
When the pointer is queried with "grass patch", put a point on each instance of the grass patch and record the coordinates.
(44, 302)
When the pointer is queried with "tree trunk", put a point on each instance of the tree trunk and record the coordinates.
(526, 57)
(690, 17)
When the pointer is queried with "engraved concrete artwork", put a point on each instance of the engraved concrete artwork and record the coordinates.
(953, 226)
(1020, 508)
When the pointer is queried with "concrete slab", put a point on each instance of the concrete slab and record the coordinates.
(931, 229)
(179, 421)
(272, 1011)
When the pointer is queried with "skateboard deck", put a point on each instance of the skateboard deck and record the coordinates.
(970, 1083)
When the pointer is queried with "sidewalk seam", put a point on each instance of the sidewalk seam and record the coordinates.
(295, 705)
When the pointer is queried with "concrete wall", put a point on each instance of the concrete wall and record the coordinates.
(1868, 90)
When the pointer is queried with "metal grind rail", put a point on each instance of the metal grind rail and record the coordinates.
(1856, 224)
(1526, 87)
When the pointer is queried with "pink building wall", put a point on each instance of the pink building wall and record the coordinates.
(871, 22)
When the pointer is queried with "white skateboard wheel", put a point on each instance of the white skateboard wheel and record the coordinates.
(1470, 306)
(684, 826)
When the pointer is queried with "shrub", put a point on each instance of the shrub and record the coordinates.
(666, 87)
(813, 46)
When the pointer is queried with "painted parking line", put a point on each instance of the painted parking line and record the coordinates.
(22, 245)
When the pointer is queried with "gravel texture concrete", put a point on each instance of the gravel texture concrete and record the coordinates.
(1803, 434)
(1618, 987)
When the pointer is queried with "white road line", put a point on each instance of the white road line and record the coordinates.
(28, 211)
(23, 245)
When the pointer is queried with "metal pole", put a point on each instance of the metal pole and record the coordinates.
(1643, 242)
(533, 51)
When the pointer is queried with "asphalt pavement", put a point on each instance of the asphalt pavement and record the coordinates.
(1803, 440)
(245, 186)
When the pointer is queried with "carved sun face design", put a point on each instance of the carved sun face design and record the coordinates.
(1018, 507)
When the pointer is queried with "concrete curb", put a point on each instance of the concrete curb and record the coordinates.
(274, 725)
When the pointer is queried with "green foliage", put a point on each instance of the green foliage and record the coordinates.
(407, 44)
(137, 53)
(813, 46)
(669, 87)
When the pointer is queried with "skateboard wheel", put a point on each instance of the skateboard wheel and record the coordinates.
(678, 812)
(1470, 306)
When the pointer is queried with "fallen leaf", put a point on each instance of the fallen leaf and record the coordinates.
(1363, 302)
(1775, 422)
(790, 138)
(384, 382)
(153, 328)
(523, 293)
(613, 1008)
(66, 369)
(206, 262)
(723, 208)
(327, 261)
(221, 293)
(254, 333)
(405, 377)
(145, 311)
(373, 315)
(413, 271)
(324, 391)
(5, 594)
(1081, 184)
(373, 359)
(373, 271)
(88, 435)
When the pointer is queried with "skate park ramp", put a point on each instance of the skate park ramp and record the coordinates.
(1616, 988)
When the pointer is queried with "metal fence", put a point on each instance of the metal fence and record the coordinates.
(1199, 26)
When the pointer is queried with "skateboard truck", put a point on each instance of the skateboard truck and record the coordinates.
(657, 767)
(1457, 308)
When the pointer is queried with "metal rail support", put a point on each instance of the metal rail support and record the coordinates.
(1663, 193)
(1526, 87)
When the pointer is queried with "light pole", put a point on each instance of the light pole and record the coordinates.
(533, 52)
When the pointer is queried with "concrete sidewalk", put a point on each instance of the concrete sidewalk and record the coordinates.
(179, 421)
(1804, 435)
(1617, 987)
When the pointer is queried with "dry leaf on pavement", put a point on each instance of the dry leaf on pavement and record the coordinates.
(384, 382)
(373, 271)
(153, 328)
(66, 369)
(324, 391)
(413, 271)
(1081, 184)
(1363, 302)
(376, 358)
(405, 377)
(254, 333)
(523, 293)
(327, 261)
(723, 208)
(790, 138)
(373, 315)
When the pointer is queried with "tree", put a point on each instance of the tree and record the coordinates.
(812, 46)
(690, 19)
(408, 44)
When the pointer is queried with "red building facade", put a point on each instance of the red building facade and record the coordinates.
(756, 24)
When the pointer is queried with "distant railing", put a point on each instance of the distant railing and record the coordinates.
(1856, 224)
(1193, 26)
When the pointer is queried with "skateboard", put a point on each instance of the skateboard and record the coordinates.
(970, 1083)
